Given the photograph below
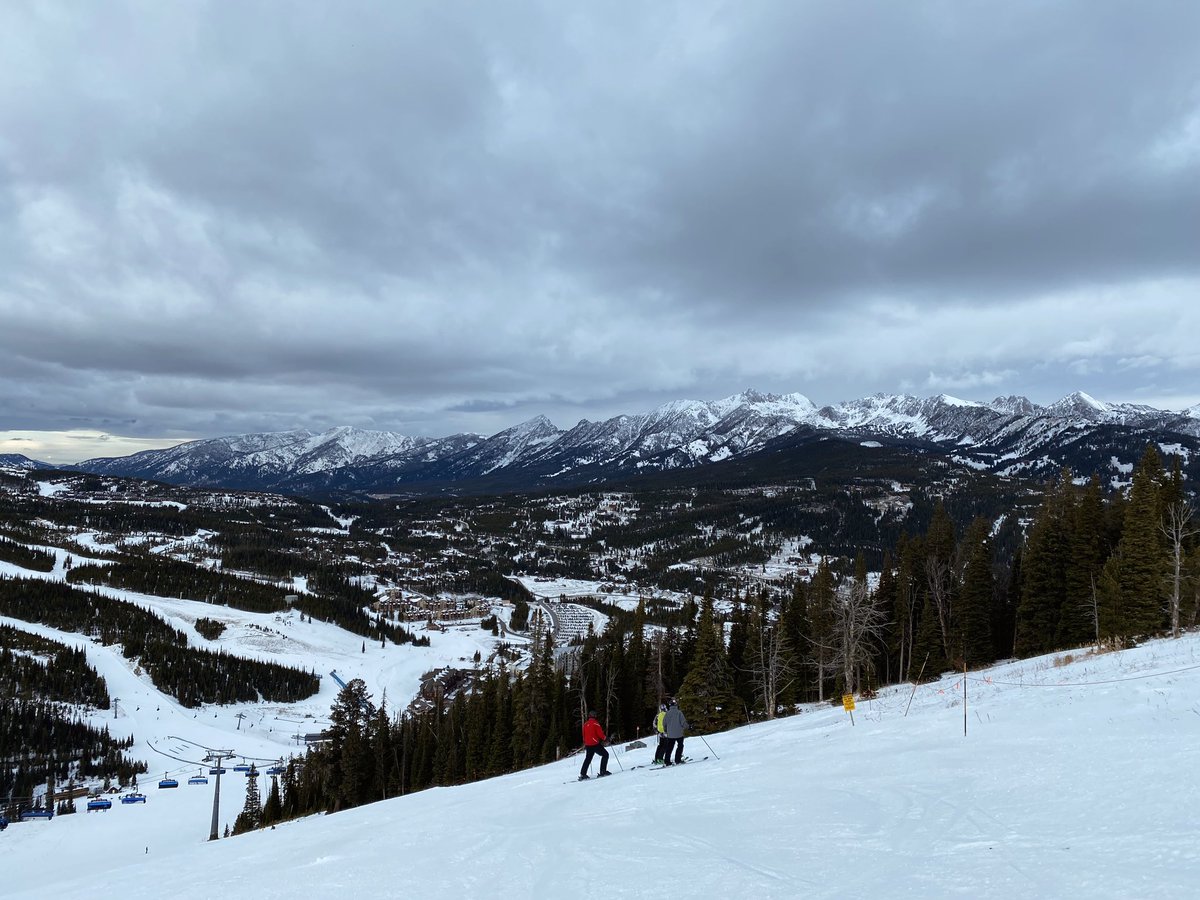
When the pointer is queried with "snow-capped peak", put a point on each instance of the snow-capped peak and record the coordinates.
(1078, 403)
(1014, 404)
(955, 401)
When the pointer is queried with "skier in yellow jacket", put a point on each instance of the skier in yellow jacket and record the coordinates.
(662, 735)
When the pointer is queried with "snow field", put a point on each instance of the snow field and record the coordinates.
(1072, 781)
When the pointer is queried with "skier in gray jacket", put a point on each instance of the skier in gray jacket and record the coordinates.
(674, 725)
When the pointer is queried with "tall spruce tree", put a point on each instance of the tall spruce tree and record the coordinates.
(977, 596)
(272, 811)
(795, 632)
(1135, 576)
(1043, 587)
(252, 813)
(907, 606)
(929, 655)
(1078, 621)
(706, 695)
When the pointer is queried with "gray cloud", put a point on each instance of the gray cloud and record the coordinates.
(441, 217)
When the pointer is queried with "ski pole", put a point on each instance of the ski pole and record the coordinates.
(710, 749)
(617, 757)
(915, 683)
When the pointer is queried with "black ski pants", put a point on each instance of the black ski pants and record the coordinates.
(595, 750)
(677, 745)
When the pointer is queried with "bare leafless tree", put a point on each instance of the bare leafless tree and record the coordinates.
(1093, 607)
(1177, 526)
(859, 622)
(772, 664)
(939, 575)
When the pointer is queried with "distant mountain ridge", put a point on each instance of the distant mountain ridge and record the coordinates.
(20, 461)
(1010, 435)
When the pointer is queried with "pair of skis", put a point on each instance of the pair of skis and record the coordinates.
(687, 760)
(656, 767)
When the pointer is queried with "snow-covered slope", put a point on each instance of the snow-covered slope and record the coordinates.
(21, 462)
(1008, 434)
(1071, 781)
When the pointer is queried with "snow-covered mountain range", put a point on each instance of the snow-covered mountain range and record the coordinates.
(1010, 435)
(20, 461)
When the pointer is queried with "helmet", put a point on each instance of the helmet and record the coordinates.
(591, 714)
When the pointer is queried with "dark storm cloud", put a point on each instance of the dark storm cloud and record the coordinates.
(440, 217)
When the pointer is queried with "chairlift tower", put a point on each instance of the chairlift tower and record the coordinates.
(218, 756)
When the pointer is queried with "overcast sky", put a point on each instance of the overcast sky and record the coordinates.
(226, 217)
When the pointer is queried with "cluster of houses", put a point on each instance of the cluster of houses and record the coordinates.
(412, 607)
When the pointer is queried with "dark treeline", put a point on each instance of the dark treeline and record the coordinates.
(1089, 568)
(35, 667)
(39, 746)
(163, 576)
(42, 736)
(336, 598)
(25, 557)
(192, 676)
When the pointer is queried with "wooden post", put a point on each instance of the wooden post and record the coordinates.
(964, 698)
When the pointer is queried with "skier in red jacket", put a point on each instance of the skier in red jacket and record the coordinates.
(593, 743)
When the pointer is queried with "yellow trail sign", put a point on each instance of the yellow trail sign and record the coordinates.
(848, 702)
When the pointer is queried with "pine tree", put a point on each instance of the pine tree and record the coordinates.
(977, 595)
(907, 606)
(795, 633)
(739, 637)
(273, 809)
(822, 637)
(500, 751)
(706, 695)
(251, 815)
(1004, 624)
(1043, 589)
(1135, 576)
(928, 655)
(634, 702)
(348, 757)
(1078, 623)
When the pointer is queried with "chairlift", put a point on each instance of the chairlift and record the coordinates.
(99, 803)
(168, 783)
(198, 779)
(135, 797)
